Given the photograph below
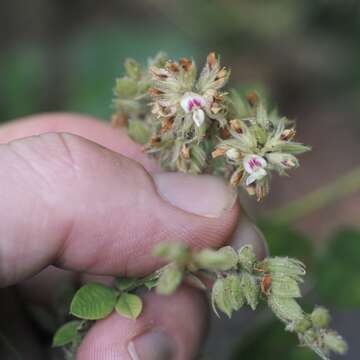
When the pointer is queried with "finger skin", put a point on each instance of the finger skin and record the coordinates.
(182, 316)
(68, 201)
(90, 128)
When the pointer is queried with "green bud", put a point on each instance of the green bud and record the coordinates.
(334, 342)
(302, 325)
(251, 290)
(284, 266)
(169, 280)
(294, 148)
(247, 258)
(216, 260)
(285, 286)
(220, 298)
(133, 69)
(320, 317)
(286, 309)
(178, 252)
(126, 87)
(260, 134)
(234, 291)
(138, 131)
(261, 115)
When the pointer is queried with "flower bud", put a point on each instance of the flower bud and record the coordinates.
(133, 69)
(247, 258)
(126, 87)
(233, 154)
(302, 325)
(320, 317)
(335, 342)
(282, 161)
(218, 260)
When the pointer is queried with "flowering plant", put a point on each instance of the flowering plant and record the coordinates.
(189, 123)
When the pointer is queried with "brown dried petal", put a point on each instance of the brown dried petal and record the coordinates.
(211, 60)
(252, 98)
(218, 152)
(185, 63)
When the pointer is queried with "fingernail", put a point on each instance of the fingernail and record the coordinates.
(247, 233)
(154, 345)
(203, 195)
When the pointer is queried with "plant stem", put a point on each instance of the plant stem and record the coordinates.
(326, 195)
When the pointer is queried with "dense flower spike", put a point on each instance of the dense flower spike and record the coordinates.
(192, 120)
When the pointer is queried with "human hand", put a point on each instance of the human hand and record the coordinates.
(70, 199)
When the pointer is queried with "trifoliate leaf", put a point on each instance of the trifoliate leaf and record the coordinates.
(285, 286)
(66, 334)
(286, 309)
(220, 298)
(169, 280)
(219, 260)
(247, 258)
(138, 131)
(124, 283)
(93, 301)
(129, 306)
(251, 289)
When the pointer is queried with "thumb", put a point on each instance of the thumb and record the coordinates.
(70, 202)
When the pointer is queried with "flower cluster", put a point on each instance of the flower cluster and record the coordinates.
(194, 126)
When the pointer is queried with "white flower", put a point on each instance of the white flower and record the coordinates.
(193, 103)
(255, 166)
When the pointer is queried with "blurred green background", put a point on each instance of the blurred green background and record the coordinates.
(304, 54)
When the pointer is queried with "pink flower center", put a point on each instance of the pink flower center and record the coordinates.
(254, 163)
(193, 103)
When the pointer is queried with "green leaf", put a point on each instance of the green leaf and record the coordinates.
(219, 298)
(93, 301)
(285, 286)
(129, 306)
(66, 334)
(169, 280)
(250, 289)
(286, 309)
(223, 259)
(138, 131)
(124, 283)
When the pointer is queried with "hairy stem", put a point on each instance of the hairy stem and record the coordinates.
(315, 200)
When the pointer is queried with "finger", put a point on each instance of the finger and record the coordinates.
(68, 201)
(85, 126)
(163, 331)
